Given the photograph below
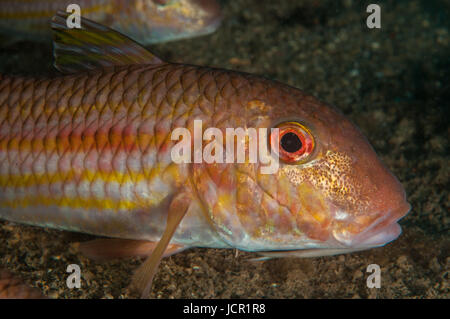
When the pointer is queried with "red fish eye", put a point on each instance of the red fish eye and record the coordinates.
(295, 142)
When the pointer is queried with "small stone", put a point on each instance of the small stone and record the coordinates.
(354, 73)
(357, 275)
(434, 265)
(403, 263)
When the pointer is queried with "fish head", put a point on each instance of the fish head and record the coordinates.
(167, 20)
(329, 191)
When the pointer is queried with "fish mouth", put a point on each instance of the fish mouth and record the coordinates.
(382, 231)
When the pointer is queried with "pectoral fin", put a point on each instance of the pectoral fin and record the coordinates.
(143, 278)
(112, 248)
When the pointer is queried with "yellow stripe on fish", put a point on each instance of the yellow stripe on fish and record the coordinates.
(91, 152)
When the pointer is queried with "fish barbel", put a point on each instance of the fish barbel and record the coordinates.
(146, 21)
(91, 151)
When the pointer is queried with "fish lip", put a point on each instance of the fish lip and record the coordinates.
(381, 231)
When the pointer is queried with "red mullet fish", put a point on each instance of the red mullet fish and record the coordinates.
(146, 21)
(92, 151)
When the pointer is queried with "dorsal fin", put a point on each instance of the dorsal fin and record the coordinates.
(94, 46)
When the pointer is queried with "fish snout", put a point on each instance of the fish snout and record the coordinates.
(382, 202)
(381, 231)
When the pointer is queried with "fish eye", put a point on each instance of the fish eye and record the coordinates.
(295, 142)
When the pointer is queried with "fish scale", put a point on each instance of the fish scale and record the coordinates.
(63, 145)
(91, 151)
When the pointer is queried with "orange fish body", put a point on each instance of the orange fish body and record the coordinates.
(93, 152)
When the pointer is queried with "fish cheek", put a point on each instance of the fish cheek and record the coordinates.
(314, 214)
(243, 214)
(337, 192)
(324, 187)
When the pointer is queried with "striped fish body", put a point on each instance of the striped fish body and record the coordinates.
(91, 152)
(147, 21)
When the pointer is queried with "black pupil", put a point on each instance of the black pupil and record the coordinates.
(291, 143)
